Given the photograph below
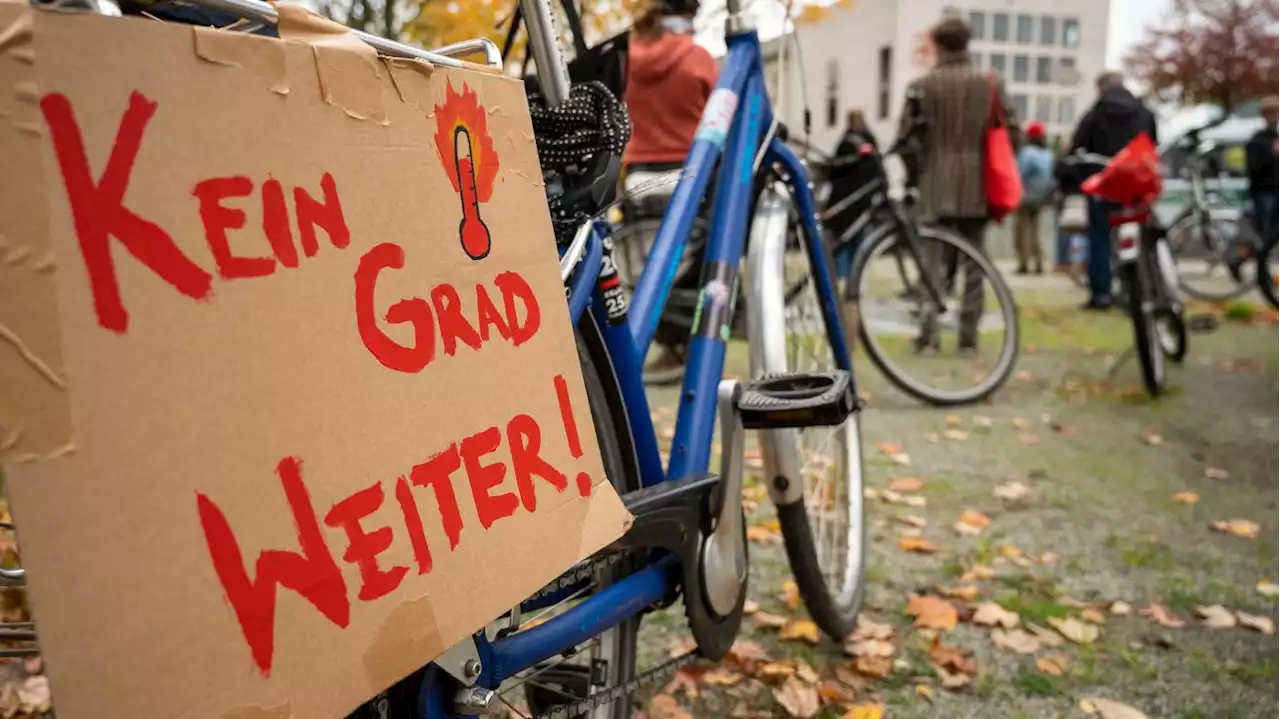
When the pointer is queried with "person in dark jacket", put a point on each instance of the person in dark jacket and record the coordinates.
(850, 170)
(1264, 170)
(1114, 120)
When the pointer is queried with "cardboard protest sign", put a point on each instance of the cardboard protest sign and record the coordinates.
(291, 401)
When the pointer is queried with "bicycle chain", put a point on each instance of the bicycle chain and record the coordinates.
(619, 692)
(580, 573)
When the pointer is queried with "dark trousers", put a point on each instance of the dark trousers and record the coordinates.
(943, 267)
(1264, 213)
(1100, 250)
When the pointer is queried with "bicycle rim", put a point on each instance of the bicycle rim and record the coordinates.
(1202, 253)
(823, 528)
(896, 310)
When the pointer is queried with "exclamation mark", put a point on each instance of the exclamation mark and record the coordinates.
(571, 432)
(474, 233)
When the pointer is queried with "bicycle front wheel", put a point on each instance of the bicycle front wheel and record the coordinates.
(1267, 272)
(815, 473)
(906, 335)
(1146, 332)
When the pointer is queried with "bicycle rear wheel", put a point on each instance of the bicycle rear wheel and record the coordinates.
(1208, 254)
(815, 472)
(900, 327)
(1146, 334)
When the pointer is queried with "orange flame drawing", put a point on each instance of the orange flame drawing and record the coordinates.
(462, 114)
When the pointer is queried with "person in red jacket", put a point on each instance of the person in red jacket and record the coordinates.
(669, 79)
(668, 82)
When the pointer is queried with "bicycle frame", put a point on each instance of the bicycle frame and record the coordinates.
(736, 132)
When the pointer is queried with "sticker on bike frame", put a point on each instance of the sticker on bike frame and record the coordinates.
(717, 117)
(715, 301)
(615, 299)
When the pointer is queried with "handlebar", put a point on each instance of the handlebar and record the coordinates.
(1086, 158)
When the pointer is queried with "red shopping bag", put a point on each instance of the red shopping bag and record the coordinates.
(1132, 179)
(1000, 167)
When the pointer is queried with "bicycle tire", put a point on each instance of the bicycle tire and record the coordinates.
(1145, 341)
(881, 241)
(1266, 274)
(1171, 329)
(1222, 225)
(835, 612)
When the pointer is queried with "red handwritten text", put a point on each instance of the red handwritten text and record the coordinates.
(370, 532)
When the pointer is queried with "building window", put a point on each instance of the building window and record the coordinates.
(885, 62)
(1000, 27)
(1044, 70)
(1021, 68)
(978, 24)
(1070, 32)
(1019, 107)
(1067, 110)
(833, 92)
(1024, 29)
(1067, 72)
(998, 64)
(1048, 31)
(1044, 108)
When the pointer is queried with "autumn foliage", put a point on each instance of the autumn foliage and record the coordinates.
(1222, 52)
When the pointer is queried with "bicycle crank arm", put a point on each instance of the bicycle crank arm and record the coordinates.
(724, 556)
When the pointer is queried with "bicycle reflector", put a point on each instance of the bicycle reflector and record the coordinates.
(1133, 178)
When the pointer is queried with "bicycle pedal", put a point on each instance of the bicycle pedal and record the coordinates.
(797, 400)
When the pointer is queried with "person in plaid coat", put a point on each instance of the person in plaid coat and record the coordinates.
(946, 117)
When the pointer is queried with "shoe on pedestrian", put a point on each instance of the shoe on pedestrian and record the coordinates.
(1061, 269)
(1039, 269)
(967, 351)
(1100, 304)
(924, 349)
(1020, 271)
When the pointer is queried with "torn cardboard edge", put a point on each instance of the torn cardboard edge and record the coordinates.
(260, 56)
(348, 67)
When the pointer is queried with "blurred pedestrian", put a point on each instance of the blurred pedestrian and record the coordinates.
(1264, 170)
(1111, 123)
(953, 101)
(669, 79)
(1035, 166)
(849, 171)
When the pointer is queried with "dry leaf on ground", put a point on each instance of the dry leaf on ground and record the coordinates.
(919, 545)
(1242, 528)
(914, 500)
(1268, 589)
(1108, 709)
(1048, 637)
(798, 698)
(681, 646)
(775, 671)
(686, 680)
(765, 620)
(905, 484)
(1028, 438)
(763, 535)
(865, 711)
(790, 594)
(879, 667)
(1216, 473)
(982, 421)
(1090, 614)
(1052, 665)
(894, 452)
(806, 673)
(1015, 640)
(1011, 491)
(971, 522)
(990, 614)
(956, 435)
(952, 659)
(1120, 608)
(662, 706)
(966, 592)
(978, 572)
(721, 677)
(1153, 439)
(932, 613)
(868, 628)
(800, 630)
(924, 691)
(953, 420)
(1020, 423)
(1216, 616)
(1186, 498)
(1256, 623)
(830, 692)
(954, 681)
(750, 607)
(911, 520)
(1075, 630)
(869, 648)
(1162, 616)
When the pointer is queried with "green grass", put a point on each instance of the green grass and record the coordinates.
(1033, 683)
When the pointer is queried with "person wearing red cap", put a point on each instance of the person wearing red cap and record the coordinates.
(1035, 164)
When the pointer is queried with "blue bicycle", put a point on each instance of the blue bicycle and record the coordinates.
(571, 649)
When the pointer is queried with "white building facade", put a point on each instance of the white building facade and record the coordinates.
(1047, 51)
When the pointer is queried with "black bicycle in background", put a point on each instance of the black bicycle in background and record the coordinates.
(911, 282)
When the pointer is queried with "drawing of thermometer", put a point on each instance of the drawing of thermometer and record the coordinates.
(474, 233)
